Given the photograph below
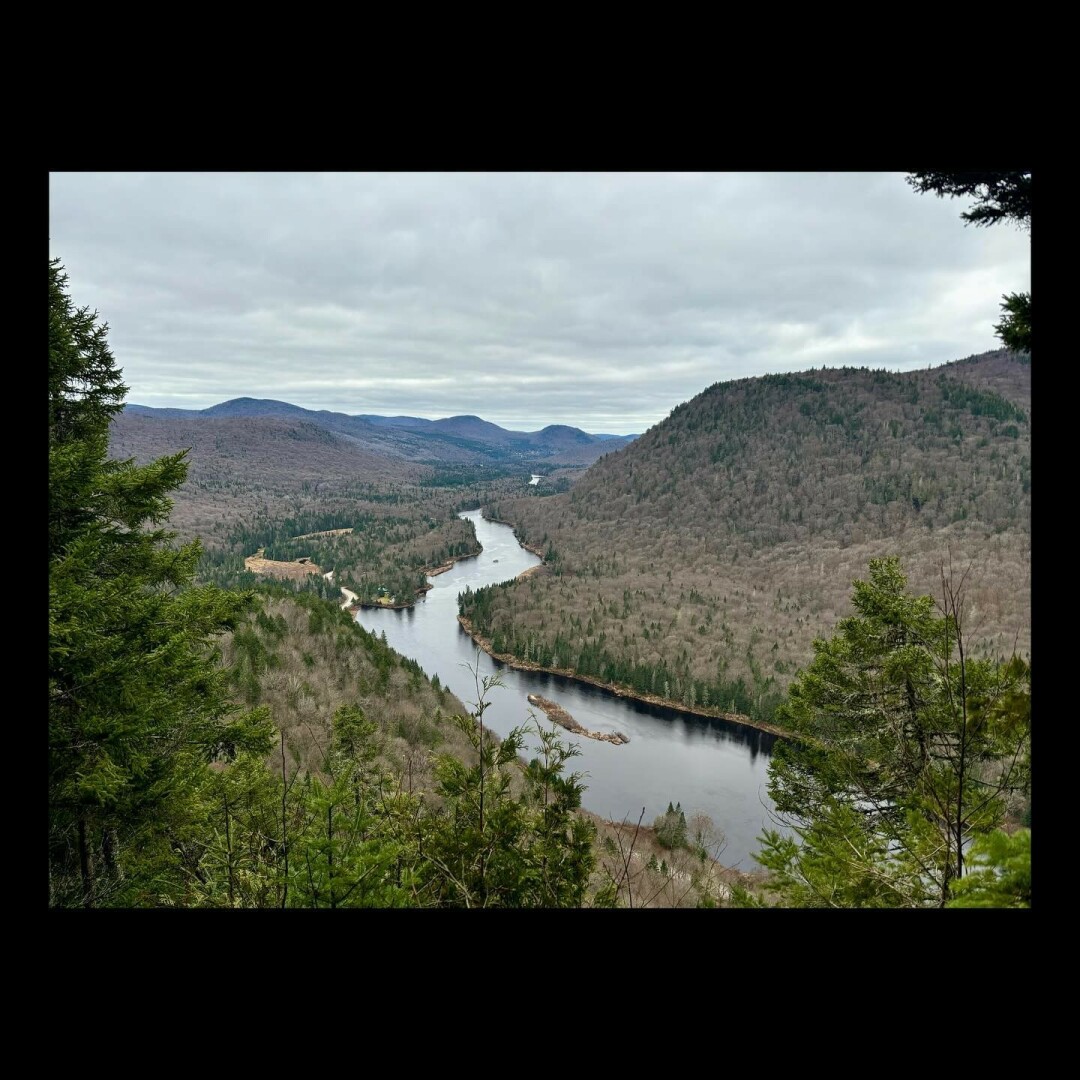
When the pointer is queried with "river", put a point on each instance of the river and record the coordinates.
(708, 765)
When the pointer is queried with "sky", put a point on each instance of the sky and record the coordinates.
(599, 300)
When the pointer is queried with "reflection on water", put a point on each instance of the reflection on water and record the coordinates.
(708, 765)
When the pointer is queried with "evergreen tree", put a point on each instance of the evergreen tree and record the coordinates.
(999, 196)
(1015, 326)
(1000, 874)
(670, 827)
(137, 704)
(492, 846)
(907, 751)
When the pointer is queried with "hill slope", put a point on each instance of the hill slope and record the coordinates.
(700, 562)
(247, 467)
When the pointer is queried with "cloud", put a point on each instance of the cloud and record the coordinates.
(599, 300)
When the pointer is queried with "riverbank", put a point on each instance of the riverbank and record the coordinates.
(714, 769)
(631, 854)
(528, 547)
(449, 564)
(619, 691)
(422, 590)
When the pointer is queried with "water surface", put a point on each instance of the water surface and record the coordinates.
(709, 766)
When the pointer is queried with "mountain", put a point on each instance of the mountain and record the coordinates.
(255, 407)
(451, 440)
(256, 480)
(159, 414)
(415, 423)
(244, 466)
(561, 435)
(471, 427)
(703, 559)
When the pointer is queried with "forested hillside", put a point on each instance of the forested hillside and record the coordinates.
(305, 658)
(290, 488)
(699, 563)
(320, 674)
(217, 748)
(243, 467)
(796, 611)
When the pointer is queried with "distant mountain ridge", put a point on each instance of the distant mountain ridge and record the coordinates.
(450, 439)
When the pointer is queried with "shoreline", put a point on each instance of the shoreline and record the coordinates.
(528, 665)
(424, 589)
(521, 543)
(619, 691)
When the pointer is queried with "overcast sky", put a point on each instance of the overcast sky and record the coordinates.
(600, 300)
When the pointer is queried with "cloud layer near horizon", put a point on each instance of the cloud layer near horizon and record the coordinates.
(598, 300)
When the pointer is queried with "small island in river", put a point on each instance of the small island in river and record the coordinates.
(560, 716)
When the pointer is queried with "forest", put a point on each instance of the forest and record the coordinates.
(701, 562)
(221, 740)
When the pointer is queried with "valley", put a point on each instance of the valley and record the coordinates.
(552, 539)
(695, 566)
(690, 570)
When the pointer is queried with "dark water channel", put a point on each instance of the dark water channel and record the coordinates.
(710, 766)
